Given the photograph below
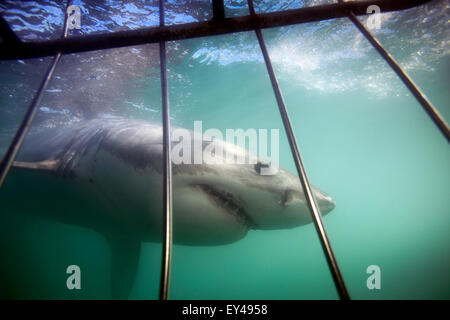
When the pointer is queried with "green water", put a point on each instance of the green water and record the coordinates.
(371, 147)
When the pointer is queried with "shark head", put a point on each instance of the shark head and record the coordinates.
(257, 201)
(235, 197)
(277, 201)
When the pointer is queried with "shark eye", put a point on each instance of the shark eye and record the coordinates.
(260, 165)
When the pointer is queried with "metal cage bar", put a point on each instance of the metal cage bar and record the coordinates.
(198, 29)
(167, 172)
(218, 10)
(17, 141)
(311, 201)
(417, 93)
(22, 131)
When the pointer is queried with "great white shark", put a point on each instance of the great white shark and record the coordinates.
(108, 174)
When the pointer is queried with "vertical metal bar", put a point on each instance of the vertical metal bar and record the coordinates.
(167, 172)
(218, 10)
(426, 104)
(312, 204)
(17, 141)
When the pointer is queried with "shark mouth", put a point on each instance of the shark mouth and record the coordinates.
(228, 202)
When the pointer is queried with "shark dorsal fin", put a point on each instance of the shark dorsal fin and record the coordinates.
(46, 165)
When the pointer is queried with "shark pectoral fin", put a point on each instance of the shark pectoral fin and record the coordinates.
(125, 255)
(47, 165)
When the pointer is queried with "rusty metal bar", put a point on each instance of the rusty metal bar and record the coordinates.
(167, 172)
(312, 204)
(198, 29)
(17, 141)
(417, 93)
(218, 10)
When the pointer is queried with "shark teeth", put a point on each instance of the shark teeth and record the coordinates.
(227, 201)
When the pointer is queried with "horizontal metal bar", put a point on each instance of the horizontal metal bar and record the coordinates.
(312, 204)
(198, 29)
(425, 103)
(167, 172)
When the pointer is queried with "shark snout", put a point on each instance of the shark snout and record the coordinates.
(325, 202)
(327, 205)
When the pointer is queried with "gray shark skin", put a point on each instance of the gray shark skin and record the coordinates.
(108, 173)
